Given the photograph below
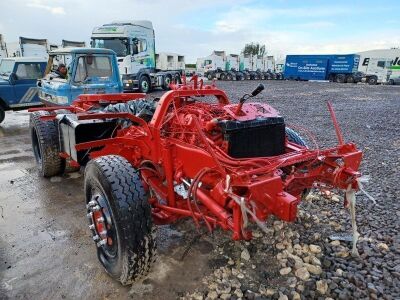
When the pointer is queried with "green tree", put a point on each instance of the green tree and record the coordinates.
(254, 49)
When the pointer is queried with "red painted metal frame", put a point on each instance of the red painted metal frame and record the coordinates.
(181, 146)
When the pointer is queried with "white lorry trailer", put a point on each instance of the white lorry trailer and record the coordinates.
(134, 44)
(72, 44)
(28, 47)
(3, 48)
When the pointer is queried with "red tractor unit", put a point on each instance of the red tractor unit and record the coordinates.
(189, 154)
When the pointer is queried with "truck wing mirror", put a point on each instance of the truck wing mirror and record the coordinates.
(13, 77)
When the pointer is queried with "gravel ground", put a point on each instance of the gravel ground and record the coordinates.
(291, 261)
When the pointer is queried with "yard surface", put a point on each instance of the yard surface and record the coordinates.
(46, 250)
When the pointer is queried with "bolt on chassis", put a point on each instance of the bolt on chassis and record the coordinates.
(190, 153)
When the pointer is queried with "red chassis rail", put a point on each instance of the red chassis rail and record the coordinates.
(188, 173)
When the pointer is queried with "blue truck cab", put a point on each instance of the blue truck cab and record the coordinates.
(18, 77)
(89, 71)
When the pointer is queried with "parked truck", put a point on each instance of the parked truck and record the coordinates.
(3, 48)
(378, 70)
(72, 44)
(134, 44)
(18, 76)
(28, 47)
(90, 71)
(337, 68)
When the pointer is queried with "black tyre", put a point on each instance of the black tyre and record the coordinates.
(350, 79)
(229, 77)
(46, 145)
(2, 114)
(144, 84)
(372, 80)
(340, 78)
(294, 137)
(120, 218)
(391, 82)
(210, 76)
(167, 81)
(222, 76)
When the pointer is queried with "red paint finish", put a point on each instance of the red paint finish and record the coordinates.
(182, 150)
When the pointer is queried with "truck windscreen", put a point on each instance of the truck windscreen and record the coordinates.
(92, 67)
(6, 67)
(119, 46)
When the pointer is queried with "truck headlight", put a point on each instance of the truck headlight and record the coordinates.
(60, 99)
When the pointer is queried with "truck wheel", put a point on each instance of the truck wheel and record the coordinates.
(229, 77)
(222, 76)
(167, 81)
(294, 137)
(178, 79)
(2, 114)
(144, 84)
(340, 78)
(120, 218)
(372, 80)
(210, 76)
(45, 145)
(391, 82)
(350, 79)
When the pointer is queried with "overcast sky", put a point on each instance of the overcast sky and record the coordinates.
(195, 28)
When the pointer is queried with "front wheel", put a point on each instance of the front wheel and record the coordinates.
(144, 84)
(119, 218)
(372, 80)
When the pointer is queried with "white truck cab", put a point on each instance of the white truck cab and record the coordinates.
(378, 71)
(134, 44)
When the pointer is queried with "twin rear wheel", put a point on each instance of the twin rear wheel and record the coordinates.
(46, 145)
(120, 218)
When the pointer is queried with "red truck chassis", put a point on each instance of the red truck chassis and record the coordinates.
(183, 160)
(219, 163)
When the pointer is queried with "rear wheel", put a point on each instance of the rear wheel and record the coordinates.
(340, 78)
(45, 144)
(120, 218)
(2, 114)
(222, 76)
(167, 82)
(210, 76)
(229, 77)
(372, 80)
(391, 82)
(144, 84)
(350, 79)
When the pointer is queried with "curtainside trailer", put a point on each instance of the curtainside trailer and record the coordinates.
(338, 68)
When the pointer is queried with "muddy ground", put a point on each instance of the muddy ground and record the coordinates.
(46, 251)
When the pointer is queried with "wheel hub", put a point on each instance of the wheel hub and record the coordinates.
(100, 224)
